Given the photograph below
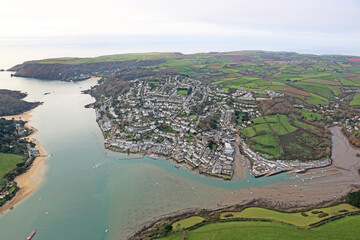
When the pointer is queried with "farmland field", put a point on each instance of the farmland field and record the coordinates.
(297, 139)
(310, 115)
(7, 163)
(355, 100)
(345, 228)
(187, 222)
(296, 219)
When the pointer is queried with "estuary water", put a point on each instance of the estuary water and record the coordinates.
(120, 194)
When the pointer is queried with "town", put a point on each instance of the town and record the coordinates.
(190, 122)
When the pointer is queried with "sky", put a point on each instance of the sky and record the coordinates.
(44, 28)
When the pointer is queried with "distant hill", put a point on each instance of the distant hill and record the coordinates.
(11, 103)
(75, 69)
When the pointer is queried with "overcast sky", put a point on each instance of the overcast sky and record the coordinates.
(314, 26)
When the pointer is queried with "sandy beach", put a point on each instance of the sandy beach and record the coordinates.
(94, 78)
(31, 179)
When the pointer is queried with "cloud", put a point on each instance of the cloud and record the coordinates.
(68, 17)
(301, 24)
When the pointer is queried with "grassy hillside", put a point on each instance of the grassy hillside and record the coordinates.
(288, 136)
(260, 223)
(345, 228)
(300, 219)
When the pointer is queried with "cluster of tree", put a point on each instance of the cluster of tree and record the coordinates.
(11, 103)
(109, 89)
(165, 128)
(354, 139)
(210, 122)
(212, 145)
(11, 141)
(117, 82)
(275, 106)
(306, 145)
(241, 117)
(128, 74)
(354, 198)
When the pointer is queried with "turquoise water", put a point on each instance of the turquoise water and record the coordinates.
(119, 194)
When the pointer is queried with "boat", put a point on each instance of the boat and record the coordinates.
(97, 165)
(106, 230)
(31, 235)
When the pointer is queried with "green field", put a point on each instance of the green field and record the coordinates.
(7, 163)
(355, 100)
(310, 115)
(287, 136)
(316, 100)
(258, 120)
(264, 131)
(248, 132)
(296, 219)
(183, 92)
(187, 222)
(194, 117)
(267, 139)
(345, 228)
(271, 150)
(189, 138)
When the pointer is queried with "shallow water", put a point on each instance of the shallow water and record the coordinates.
(119, 194)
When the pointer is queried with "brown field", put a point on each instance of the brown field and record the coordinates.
(353, 74)
(353, 59)
(237, 58)
(293, 90)
(275, 58)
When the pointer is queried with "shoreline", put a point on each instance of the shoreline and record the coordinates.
(184, 165)
(30, 180)
(94, 78)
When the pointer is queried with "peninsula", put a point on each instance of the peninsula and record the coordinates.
(11, 103)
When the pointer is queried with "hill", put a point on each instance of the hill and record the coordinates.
(11, 103)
